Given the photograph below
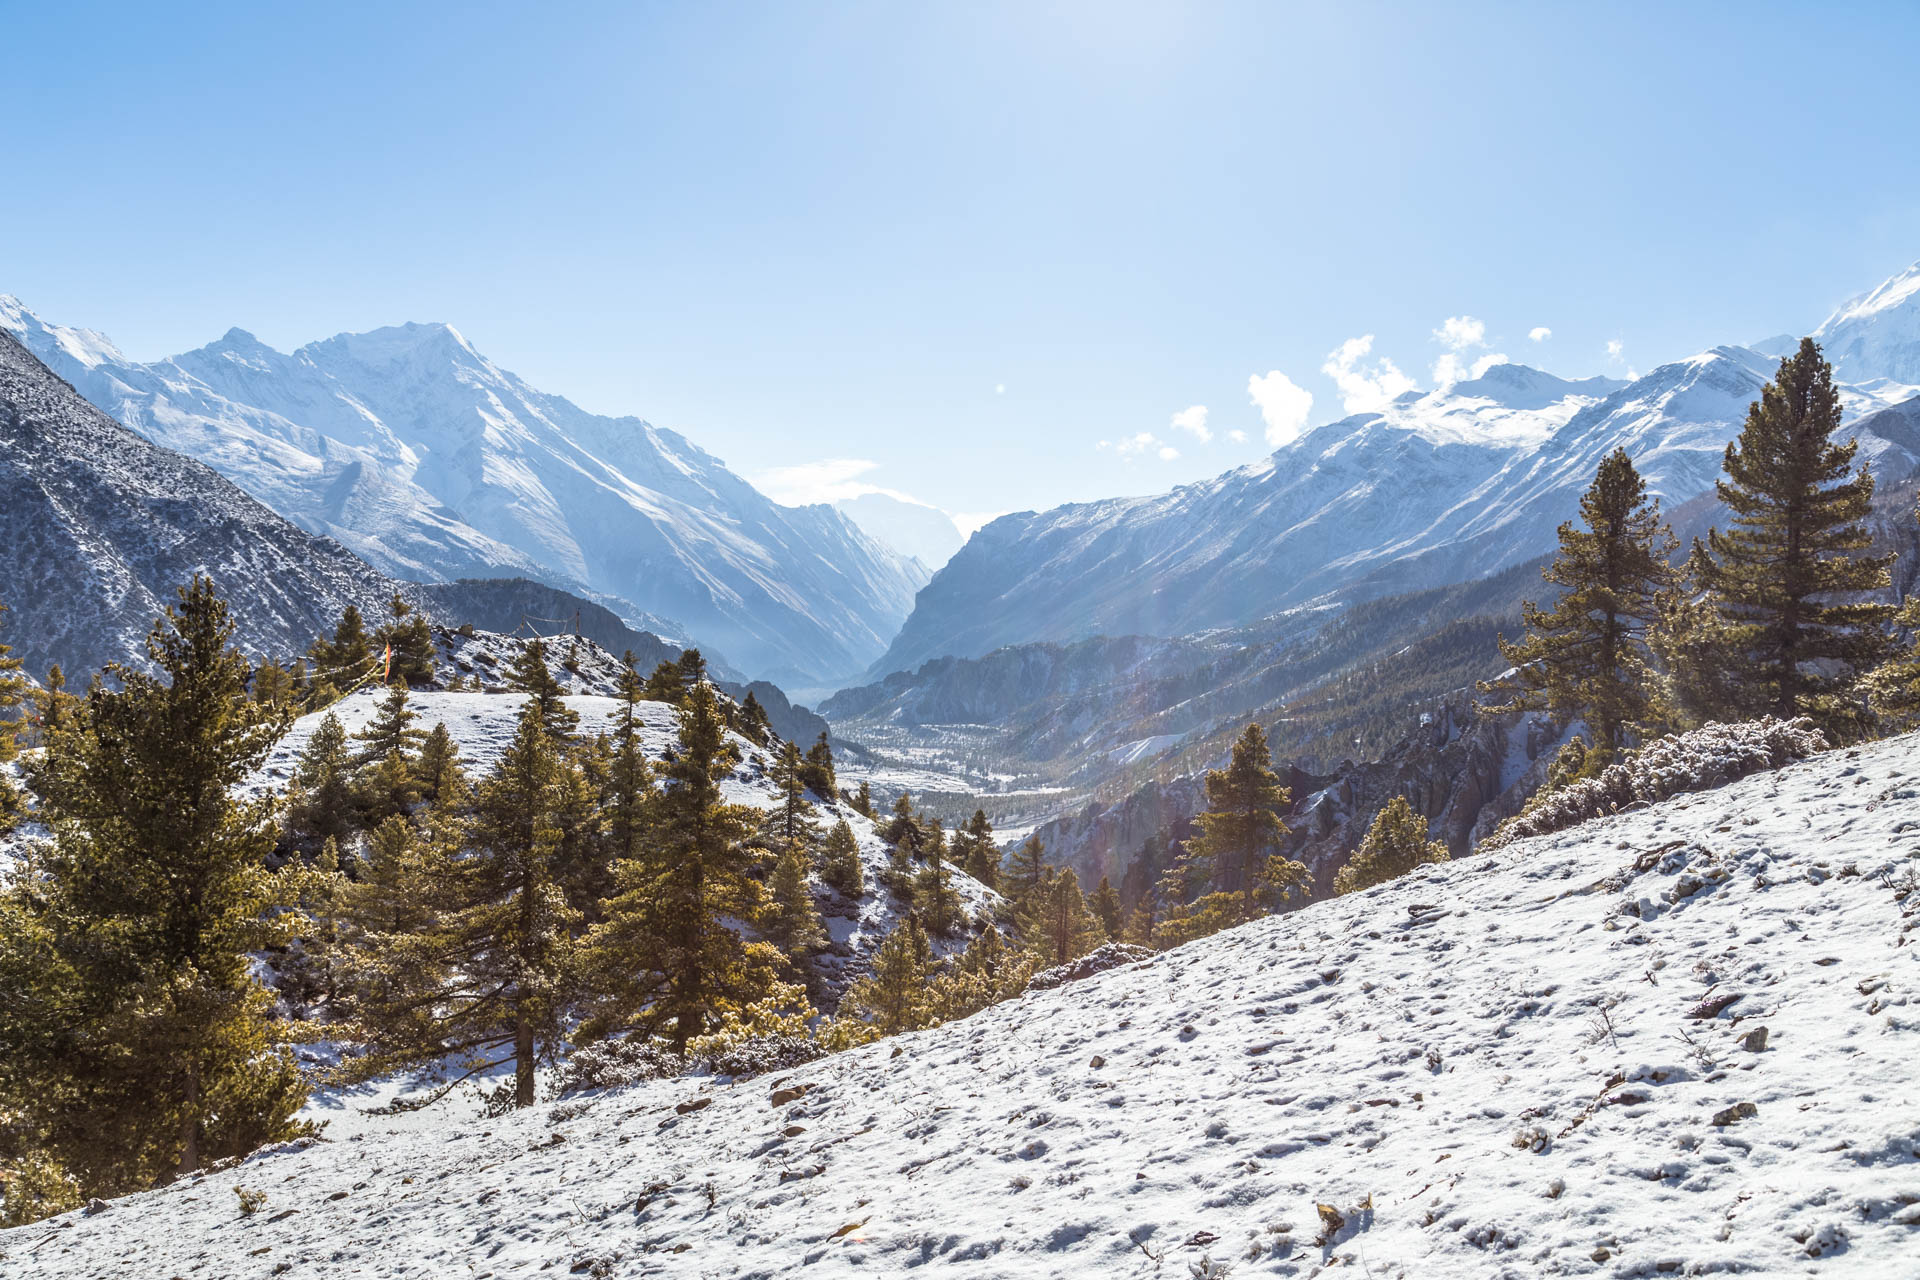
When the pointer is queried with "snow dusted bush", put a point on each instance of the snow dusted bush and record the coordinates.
(1707, 757)
(1110, 955)
(612, 1063)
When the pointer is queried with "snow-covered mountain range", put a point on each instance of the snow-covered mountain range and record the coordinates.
(1440, 486)
(100, 525)
(431, 462)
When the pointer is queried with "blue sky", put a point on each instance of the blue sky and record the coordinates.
(949, 249)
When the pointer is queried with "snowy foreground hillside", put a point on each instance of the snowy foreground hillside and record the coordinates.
(1549, 1060)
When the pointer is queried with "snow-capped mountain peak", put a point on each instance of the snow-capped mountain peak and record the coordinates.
(432, 462)
(1877, 335)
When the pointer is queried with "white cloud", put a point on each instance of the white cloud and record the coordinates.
(1283, 406)
(828, 480)
(1539, 333)
(1193, 419)
(1362, 389)
(1461, 333)
(1614, 348)
(1140, 444)
(1489, 360)
(1237, 436)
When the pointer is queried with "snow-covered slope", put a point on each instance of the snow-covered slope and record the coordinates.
(99, 526)
(1544, 1061)
(432, 462)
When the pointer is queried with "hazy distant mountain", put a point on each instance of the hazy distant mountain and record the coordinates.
(433, 463)
(928, 534)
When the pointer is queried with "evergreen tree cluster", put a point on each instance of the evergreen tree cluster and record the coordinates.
(1777, 615)
(578, 889)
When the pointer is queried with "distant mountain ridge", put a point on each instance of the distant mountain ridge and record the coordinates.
(431, 462)
(1440, 486)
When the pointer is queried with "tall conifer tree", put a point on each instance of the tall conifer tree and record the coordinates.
(666, 959)
(134, 1036)
(1789, 574)
(1239, 845)
(1586, 657)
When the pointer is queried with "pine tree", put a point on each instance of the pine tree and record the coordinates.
(1788, 575)
(1895, 684)
(387, 777)
(793, 925)
(905, 838)
(391, 731)
(818, 773)
(863, 801)
(895, 998)
(988, 972)
(667, 684)
(54, 709)
(408, 638)
(1241, 831)
(754, 726)
(321, 805)
(1395, 844)
(530, 675)
(1105, 905)
(791, 823)
(13, 688)
(840, 864)
(933, 893)
(977, 854)
(1696, 668)
(134, 1039)
(1026, 870)
(274, 685)
(346, 660)
(628, 793)
(1586, 657)
(693, 668)
(436, 770)
(1058, 922)
(492, 978)
(666, 960)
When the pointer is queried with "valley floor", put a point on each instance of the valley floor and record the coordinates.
(1541, 1061)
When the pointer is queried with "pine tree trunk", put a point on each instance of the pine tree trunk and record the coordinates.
(522, 1061)
(190, 1127)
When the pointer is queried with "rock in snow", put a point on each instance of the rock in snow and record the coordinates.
(1487, 1068)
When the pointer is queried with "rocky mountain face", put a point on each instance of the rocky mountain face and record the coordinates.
(101, 525)
(426, 458)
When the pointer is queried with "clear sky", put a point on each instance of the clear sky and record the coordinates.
(951, 249)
